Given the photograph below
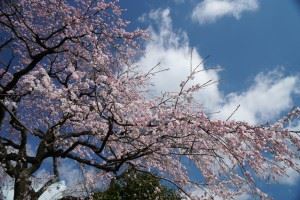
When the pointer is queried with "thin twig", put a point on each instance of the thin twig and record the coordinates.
(235, 110)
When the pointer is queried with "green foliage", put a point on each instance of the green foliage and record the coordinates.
(134, 185)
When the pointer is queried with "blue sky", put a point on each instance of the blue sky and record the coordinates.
(255, 43)
(254, 48)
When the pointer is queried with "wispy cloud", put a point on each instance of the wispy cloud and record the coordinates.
(172, 50)
(201, 193)
(209, 11)
(269, 95)
(55, 191)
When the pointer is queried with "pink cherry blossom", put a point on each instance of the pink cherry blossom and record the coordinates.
(68, 94)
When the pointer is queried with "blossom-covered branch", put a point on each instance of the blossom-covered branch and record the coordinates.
(65, 94)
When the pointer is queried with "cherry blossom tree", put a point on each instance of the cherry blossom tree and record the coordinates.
(68, 91)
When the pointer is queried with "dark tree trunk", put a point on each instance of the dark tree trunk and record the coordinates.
(23, 189)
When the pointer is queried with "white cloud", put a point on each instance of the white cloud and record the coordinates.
(55, 191)
(291, 177)
(172, 50)
(73, 178)
(200, 193)
(80, 180)
(71, 184)
(209, 11)
(270, 95)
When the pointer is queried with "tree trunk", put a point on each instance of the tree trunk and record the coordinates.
(23, 189)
